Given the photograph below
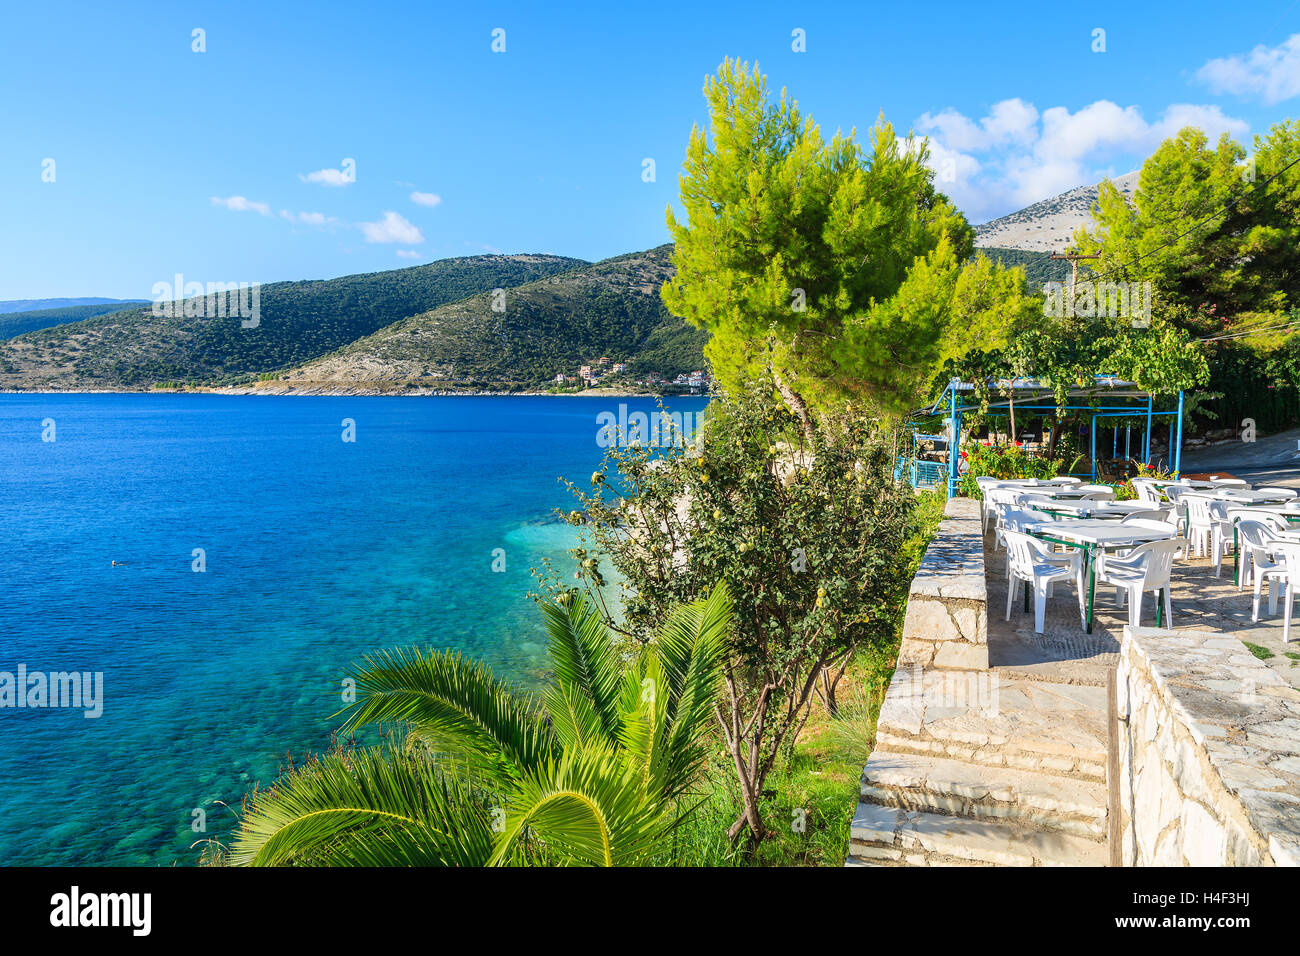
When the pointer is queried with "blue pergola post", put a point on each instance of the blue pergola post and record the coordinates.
(1093, 452)
(1146, 442)
(953, 434)
(1178, 445)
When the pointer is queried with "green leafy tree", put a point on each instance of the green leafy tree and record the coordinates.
(1184, 182)
(839, 271)
(810, 536)
(594, 772)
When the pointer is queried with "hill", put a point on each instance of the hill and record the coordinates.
(297, 322)
(606, 309)
(16, 323)
(33, 305)
(1038, 267)
(1047, 226)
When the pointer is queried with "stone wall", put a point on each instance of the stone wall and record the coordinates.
(947, 607)
(1209, 753)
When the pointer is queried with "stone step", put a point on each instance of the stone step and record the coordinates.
(984, 718)
(891, 836)
(956, 787)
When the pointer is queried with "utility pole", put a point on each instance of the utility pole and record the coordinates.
(1073, 258)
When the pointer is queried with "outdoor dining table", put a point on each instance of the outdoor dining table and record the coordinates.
(1113, 510)
(1063, 492)
(1193, 483)
(1249, 496)
(1093, 535)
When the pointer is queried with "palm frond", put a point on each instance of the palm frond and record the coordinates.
(456, 705)
(367, 807)
(583, 655)
(692, 647)
(586, 808)
(643, 734)
(574, 719)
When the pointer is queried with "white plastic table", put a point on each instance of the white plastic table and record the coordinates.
(1248, 496)
(1092, 535)
(1096, 509)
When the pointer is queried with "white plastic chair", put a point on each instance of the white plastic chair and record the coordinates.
(1229, 482)
(1288, 555)
(1272, 525)
(1030, 563)
(1032, 500)
(1147, 491)
(1271, 521)
(994, 500)
(1258, 564)
(1200, 523)
(1177, 497)
(1145, 568)
(1162, 515)
(1099, 496)
(1220, 532)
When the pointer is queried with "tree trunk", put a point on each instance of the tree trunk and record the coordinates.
(796, 404)
(750, 819)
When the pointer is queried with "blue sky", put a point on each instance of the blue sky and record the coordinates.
(167, 160)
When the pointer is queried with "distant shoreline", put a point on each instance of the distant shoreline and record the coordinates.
(347, 392)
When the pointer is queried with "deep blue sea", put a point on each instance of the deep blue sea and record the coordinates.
(316, 551)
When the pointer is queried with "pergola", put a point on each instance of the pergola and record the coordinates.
(1106, 397)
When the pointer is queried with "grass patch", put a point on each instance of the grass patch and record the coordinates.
(1263, 653)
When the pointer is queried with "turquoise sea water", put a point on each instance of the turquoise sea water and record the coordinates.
(317, 551)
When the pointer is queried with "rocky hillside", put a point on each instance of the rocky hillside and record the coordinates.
(523, 339)
(1048, 225)
(297, 322)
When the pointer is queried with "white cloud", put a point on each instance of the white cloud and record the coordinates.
(392, 228)
(409, 254)
(327, 177)
(425, 199)
(1015, 155)
(1271, 74)
(240, 204)
(308, 218)
(1011, 120)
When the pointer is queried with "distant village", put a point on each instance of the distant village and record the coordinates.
(604, 368)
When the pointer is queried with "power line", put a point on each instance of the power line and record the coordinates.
(1197, 225)
(1238, 335)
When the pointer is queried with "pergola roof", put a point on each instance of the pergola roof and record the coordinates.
(1105, 397)
(1031, 391)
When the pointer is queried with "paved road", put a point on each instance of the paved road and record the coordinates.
(1273, 459)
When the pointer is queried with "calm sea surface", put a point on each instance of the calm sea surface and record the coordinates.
(317, 551)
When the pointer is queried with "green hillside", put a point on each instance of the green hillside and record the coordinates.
(1038, 267)
(298, 322)
(610, 309)
(17, 323)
